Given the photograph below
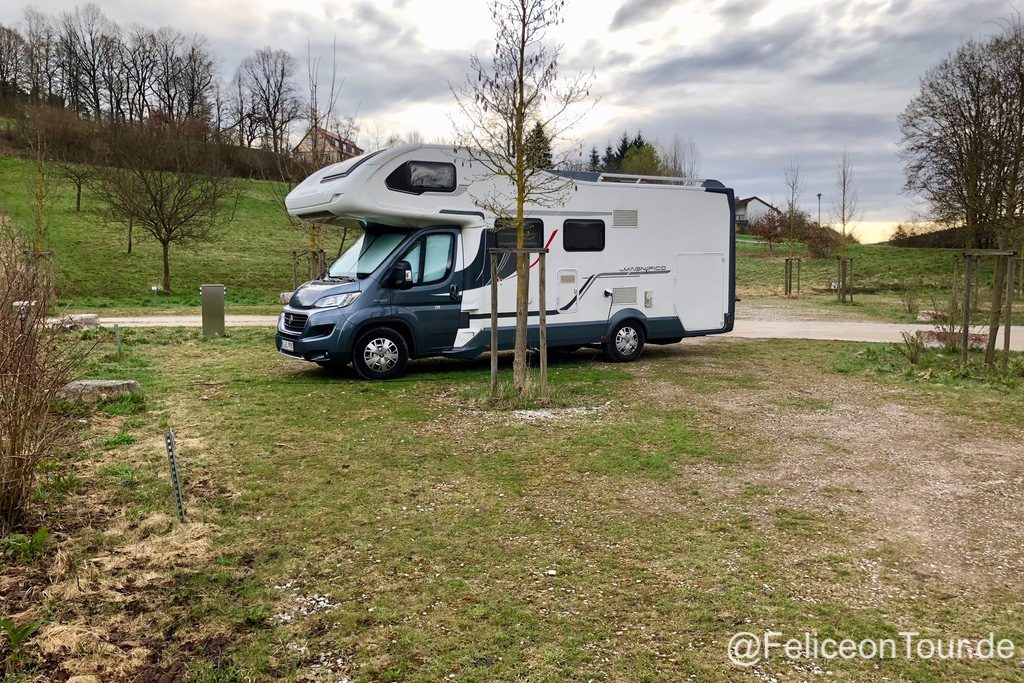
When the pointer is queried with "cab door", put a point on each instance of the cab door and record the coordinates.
(433, 304)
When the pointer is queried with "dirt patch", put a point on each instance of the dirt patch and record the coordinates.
(106, 605)
(883, 470)
(105, 583)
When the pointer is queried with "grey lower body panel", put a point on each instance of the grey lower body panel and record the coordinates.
(659, 331)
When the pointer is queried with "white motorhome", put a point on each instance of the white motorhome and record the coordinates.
(632, 260)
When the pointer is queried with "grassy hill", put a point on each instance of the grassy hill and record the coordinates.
(252, 256)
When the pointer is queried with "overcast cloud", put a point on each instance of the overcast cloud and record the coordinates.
(751, 81)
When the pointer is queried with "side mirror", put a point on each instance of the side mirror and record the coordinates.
(401, 275)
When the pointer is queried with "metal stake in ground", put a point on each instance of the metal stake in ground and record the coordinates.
(172, 460)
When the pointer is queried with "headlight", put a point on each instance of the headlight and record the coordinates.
(337, 300)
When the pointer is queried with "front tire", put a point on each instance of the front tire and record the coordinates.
(380, 353)
(625, 343)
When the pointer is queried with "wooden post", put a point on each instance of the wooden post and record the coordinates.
(839, 278)
(494, 326)
(798, 277)
(543, 326)
(1010, 263)
(965, 332)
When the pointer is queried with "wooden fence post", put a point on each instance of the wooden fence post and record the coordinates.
(494, 326)
(543, 326)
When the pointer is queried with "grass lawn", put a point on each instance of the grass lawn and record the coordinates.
(401, 531)
(881, 274)
(252, 256)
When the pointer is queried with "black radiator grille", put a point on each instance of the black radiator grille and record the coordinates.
(295, 322)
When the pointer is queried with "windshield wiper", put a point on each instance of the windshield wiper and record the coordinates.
(337, 278)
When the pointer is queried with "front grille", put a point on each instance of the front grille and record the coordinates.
(295, 322)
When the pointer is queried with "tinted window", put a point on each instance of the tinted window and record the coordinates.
(368, 252)
(505, 233)
(583, 235)
(437, 257)
(431, 258)
(418, 177)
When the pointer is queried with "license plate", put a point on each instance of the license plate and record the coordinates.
(287, 345)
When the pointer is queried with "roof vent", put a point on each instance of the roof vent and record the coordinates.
(625, 218)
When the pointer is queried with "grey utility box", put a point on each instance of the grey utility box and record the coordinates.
(212, 298)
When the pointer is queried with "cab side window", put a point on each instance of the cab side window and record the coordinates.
(432, 258)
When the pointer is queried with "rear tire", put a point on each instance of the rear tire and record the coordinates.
(625, 343)
(380, 353)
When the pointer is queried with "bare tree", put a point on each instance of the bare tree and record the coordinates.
(794, 189)
(241, 117)
(140, 62)
(269, 76)
(114, 73)
(34, 367)
(321, 100)
(82, 36)
(168, 44)
(681, 157)
(40, 183)
(963, 144)
(12, 62)
(41, 64)
(846, 207)
(501, 102)
(196, 78)
(164, 181)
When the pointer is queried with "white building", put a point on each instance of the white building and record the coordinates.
(752, 209)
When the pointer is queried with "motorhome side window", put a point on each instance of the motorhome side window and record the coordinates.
(505, 233)
(583, 235)
(431, 258)
(417, 177)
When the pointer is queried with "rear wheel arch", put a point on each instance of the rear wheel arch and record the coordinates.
(625, 340)
(631, 315)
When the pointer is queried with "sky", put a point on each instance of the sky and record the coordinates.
(754, 83)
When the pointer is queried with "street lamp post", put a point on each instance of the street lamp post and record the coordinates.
(819, 209)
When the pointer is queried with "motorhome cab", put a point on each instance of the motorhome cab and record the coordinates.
(632, 260)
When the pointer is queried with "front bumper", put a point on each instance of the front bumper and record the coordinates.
(324, 339)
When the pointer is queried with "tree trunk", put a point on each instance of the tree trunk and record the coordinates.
(344, 236)
(167, 267)
(995, 315)
(130, 226)
(78, 197)
(519, 369)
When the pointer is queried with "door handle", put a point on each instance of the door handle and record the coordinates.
(454, 291)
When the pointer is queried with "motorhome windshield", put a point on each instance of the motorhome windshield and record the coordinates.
(368, 252)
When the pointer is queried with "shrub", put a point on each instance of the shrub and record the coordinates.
(34, 366)
(911, 348)
(821, 242)
(909, 298)
(770, 228)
